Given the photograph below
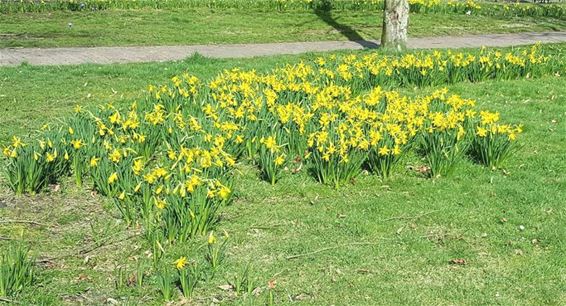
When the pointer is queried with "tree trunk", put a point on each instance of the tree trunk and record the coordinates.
(395, 23)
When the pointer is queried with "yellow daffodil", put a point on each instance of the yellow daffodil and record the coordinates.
(211, 238)
(112, 178)
(279, 160)
(17, 142)
(383, 151)
(51, 156)
(181, 262)
(481, 132)
(160, 203)
(77, 144)
(115, 156)
(137, 167)
(224, 192)
(94, 161)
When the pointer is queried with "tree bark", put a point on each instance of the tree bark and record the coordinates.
(395, 24)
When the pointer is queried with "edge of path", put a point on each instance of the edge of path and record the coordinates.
(114, 55)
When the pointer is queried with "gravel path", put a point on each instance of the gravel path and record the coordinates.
(109, 55)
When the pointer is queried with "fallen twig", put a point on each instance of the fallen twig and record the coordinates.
(86, 250)
(22, 221)
(409, 217)
(5, 300)
(330, 248)
(92, 248)
(267, 227)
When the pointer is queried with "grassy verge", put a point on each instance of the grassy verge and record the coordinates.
(210, 26)
(375, 242)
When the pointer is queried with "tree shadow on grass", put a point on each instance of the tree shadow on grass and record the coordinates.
(347, 31)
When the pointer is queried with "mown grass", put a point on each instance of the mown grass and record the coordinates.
(374, 242)
(211, 26)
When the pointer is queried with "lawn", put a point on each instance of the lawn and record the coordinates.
(214, 26)
(480, 236)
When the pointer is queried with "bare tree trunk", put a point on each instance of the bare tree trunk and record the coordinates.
(395, 24)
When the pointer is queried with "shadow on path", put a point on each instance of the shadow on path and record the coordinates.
(347, 31)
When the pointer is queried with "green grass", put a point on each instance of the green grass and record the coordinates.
(376, 242)
(206, 26)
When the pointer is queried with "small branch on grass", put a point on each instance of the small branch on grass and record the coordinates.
(92, 248)
(5, 300)
(22, 221)
(409, 217)
(267, 227)
(87, 249)
(6, 238)
(329, 248)
(278, 273)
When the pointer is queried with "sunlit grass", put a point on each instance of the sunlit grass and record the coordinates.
(399, 240)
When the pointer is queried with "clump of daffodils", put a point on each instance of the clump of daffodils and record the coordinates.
(167, 162)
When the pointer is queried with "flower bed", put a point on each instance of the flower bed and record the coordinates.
(167, 162)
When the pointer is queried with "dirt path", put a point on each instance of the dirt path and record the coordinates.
(109, 55)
